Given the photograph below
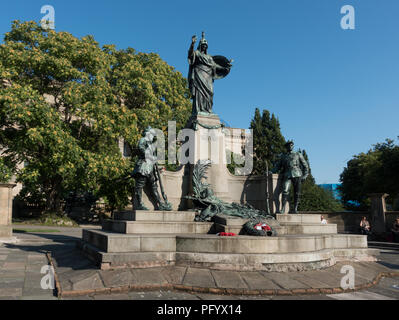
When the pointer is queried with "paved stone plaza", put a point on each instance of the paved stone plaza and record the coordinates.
(78, 278)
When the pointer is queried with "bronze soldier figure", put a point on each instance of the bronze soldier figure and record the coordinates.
(294, 169)
(145, 171)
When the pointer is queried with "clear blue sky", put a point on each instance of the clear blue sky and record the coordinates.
(335, 91)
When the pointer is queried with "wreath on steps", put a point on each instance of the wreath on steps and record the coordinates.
(259, 227)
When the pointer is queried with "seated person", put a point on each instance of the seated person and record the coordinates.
(323, 221)
(395, 230)
(365, 226)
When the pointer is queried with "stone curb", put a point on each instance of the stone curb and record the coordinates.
(58, 289)
(221, 291)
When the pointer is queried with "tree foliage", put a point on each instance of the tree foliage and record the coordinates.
(268, 141)
(314, 197)
(5, 170)
(269, 144)
(65, 102)
(376, 171)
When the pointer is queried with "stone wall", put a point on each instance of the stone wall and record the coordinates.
(176, 185)
(241, 189)
(6, 209)
(347, 221)
(350, 221)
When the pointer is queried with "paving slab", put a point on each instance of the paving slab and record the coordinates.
(85, 297)
(13, 266)
(35, 268)
(38, 297)
(197, 277)
(228, 279)
(16, 258)
(256, 281)
(302, 297)
(363, 275)
(10, 298)
(284, 280)
(33, 281)
(309, 280)
(170, 295)
(377, 267)
(113, 296)
(150, 276)
(388, 287)
(11, 292)
(36, 291)
(208, 296)
(11, 283)
(174, 274)
(12, 274)
(87, 281)
(366, 295)
(117, 278)
(324, 278)
(161, 295)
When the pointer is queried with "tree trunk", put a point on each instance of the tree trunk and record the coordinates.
(53, 201)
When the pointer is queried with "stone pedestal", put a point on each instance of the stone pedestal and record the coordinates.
(6, 210)
(377, 212)
(209, 144)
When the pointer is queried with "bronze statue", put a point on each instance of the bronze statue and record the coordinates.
(209, 205)
(146, 172)
(203, 70)
(294, 169)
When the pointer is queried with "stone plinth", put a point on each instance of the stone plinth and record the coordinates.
(209, 144)
(144, 215)
(6, 210)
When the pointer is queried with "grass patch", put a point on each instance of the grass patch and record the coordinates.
(49, 219)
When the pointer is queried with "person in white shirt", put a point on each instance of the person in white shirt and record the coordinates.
(323, 221)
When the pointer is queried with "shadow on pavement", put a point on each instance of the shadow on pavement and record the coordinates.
(63, 249)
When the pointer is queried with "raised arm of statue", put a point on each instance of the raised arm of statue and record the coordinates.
(191, 49)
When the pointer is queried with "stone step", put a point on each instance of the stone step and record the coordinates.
(282, 253)
(148, 215)
(272, 262)
(284, 228)
(239, 230)
(107, 260)
(308, 228)
(265, 245)
(162, 227)
(235, 221)
(298, 218)
(362, 254)
(118, 242)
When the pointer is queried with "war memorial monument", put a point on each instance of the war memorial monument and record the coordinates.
(202, 201)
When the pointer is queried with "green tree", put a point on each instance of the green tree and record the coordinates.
(64, 104)
(376, 171)
(268, 142)
(6, 170)
(314, 197)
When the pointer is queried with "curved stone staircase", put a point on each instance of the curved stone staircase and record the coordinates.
(160, 238)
